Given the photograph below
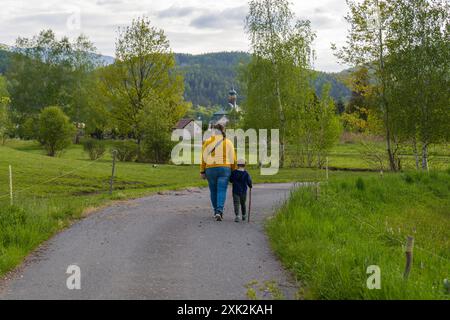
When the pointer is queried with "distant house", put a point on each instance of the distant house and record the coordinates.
(191, 128)
(220, 117)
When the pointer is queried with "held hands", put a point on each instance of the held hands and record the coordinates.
(203, 176)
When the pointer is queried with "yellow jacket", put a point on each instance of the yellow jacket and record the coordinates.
(223, 156)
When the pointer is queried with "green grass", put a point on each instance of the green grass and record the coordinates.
(50, 193)
(348, 155)
(356, 222)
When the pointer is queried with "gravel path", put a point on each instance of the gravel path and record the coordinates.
(165, 246)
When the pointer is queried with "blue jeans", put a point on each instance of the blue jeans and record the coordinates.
(218, 179)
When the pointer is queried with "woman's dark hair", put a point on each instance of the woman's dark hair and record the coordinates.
(221, 128)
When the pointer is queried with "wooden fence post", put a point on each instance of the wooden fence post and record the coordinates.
(409, 256)
(11, 185)
(111, 183)
(447, 286)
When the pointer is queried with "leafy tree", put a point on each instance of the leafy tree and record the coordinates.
(367, 47)
(278, 71)
(340, 107)
(6, 126)
(55, 130)
(362, 90)
(5, 120)
(98, 111)
(47, 71)
(156, 137)
(29, 130)
(419, 69)
(143, 78)
(356, 115)
(314, 129)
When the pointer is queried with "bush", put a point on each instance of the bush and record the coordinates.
(29, 130)
(55, 130)
(156, 150)
(127, 150)
(95, 148)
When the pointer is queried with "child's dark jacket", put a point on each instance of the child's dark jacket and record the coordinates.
(240, 180)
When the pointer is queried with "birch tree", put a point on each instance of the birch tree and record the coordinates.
(367, 46)
(281, 56)
(419, 68)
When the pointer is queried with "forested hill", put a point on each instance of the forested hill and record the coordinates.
(4, 58)
(209, 77)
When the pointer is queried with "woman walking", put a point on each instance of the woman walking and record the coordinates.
(218, 161)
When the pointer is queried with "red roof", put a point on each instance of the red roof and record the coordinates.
(183, 123)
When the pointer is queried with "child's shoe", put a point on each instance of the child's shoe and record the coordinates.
(244, 218)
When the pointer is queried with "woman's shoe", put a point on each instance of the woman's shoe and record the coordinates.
(219, 217)
(236, 219)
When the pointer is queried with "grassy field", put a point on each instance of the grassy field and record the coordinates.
(348, 155)
(51, 193)
(356, 222)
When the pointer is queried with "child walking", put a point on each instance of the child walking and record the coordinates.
(241, 180)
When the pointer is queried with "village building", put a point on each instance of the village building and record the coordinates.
(222, 116)
(190, 126)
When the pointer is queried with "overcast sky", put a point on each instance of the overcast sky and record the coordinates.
(192, 26)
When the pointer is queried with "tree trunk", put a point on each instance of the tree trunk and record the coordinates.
(416, 153)
(384, 103)
(277, 84)
(282, 125)
(425, 156)
(392, 163)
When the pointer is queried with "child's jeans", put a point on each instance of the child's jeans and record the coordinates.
(240, 201)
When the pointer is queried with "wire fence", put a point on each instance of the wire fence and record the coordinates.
(402, 242)
(361, 222)
(78, 169)
(307, 184)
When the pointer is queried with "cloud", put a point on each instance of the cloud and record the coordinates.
(176, 12)
(193, 26)
(108, 2)
(223, 19)
(322, 21)
(44, 19)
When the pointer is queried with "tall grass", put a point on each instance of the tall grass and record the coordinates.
(329, 242)
(26, 225)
